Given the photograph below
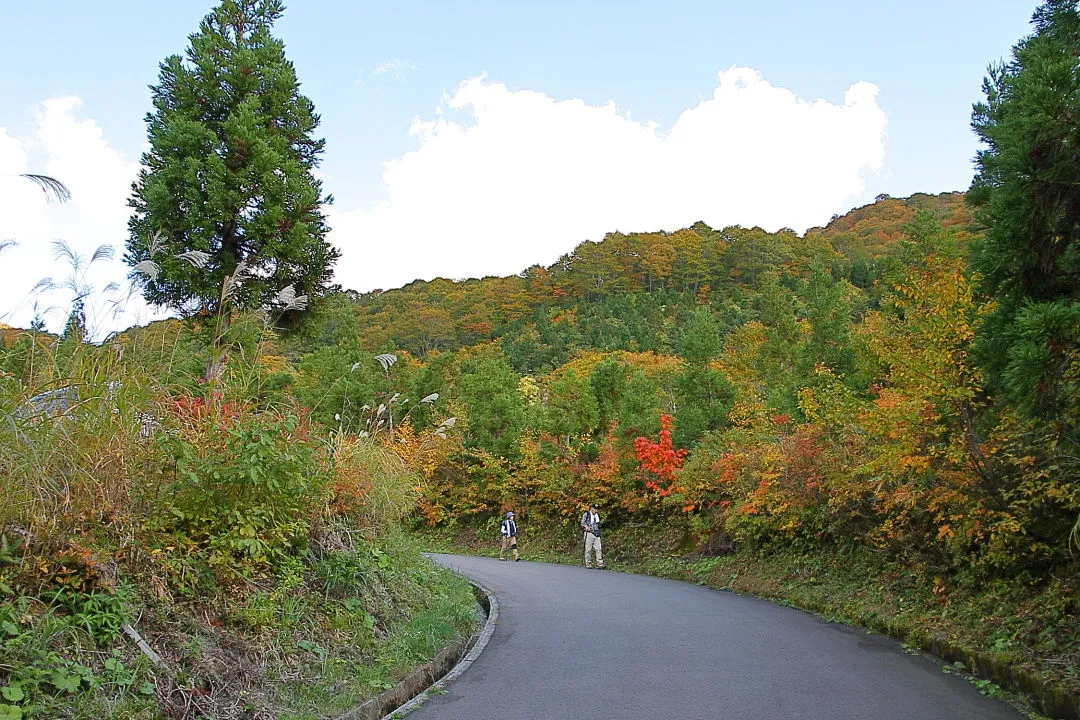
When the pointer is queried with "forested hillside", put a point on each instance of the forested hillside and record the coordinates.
(756, 392)
(669, 270)
(818, 388)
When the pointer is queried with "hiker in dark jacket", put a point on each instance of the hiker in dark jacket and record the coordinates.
(509, 537)
(590, 526)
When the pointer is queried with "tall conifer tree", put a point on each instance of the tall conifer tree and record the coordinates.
(230, 171)
(1027, 193)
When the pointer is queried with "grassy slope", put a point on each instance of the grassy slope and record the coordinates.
(317, 641)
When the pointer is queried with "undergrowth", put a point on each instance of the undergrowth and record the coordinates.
(255, 552)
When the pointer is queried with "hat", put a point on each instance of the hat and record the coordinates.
(594, 505)
(510, 514)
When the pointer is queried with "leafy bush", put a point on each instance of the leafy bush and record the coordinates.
(245, 485)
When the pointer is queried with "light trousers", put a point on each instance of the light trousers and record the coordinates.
(592, 545)
(508, 542)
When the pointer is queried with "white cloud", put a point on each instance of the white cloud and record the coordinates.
(76, 152)
(529, 177)
(522, 179)
(397, 67)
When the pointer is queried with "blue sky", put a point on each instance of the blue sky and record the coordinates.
(375, 69)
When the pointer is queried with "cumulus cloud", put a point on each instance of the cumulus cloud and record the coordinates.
(75, 151)
(524, 177)
(499, 180)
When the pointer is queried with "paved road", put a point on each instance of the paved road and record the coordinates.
(577, 644)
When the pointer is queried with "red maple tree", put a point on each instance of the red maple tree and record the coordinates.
(661, 459)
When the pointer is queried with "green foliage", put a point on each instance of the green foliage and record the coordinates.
(488, 388)
(571, 409)
(230, 171)
(1042, 373)
(100, 615)
(777, 359)
(703, 400)
(701, 341)
(337, 382)
(829, 314)
(340, 573)
(637, 409)
(245, 487)
(1027, 194)
(52, 665)
(608, 381)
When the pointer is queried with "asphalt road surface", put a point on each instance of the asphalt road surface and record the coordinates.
(577, 644)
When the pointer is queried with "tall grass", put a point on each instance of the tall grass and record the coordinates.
(127, 478)
(372, 484)
(71, 436)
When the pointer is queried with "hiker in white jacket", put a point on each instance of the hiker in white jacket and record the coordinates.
(509, 537)
(590, 526)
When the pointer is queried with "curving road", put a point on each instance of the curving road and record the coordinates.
(577, 644)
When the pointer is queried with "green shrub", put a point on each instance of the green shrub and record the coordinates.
(245, 486)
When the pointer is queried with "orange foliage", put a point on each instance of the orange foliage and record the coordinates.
(661, 459)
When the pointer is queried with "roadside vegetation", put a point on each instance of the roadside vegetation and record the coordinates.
(256, 553)
(182, 533)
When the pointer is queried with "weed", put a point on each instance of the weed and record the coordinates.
(987, 687)
(342, 573)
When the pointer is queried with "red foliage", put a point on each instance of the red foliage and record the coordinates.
(189, 408)
(660, 458)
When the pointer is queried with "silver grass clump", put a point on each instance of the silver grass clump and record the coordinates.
(103, 252)
(197, 258)
(386, 360)
(77, 262)
(148, 269)
(151, 270)
(53, 188)
(232, 283)
(76, 281)
(287, 296)
(430, 398)
(45, 283)
(154, 244)
(444, 426)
